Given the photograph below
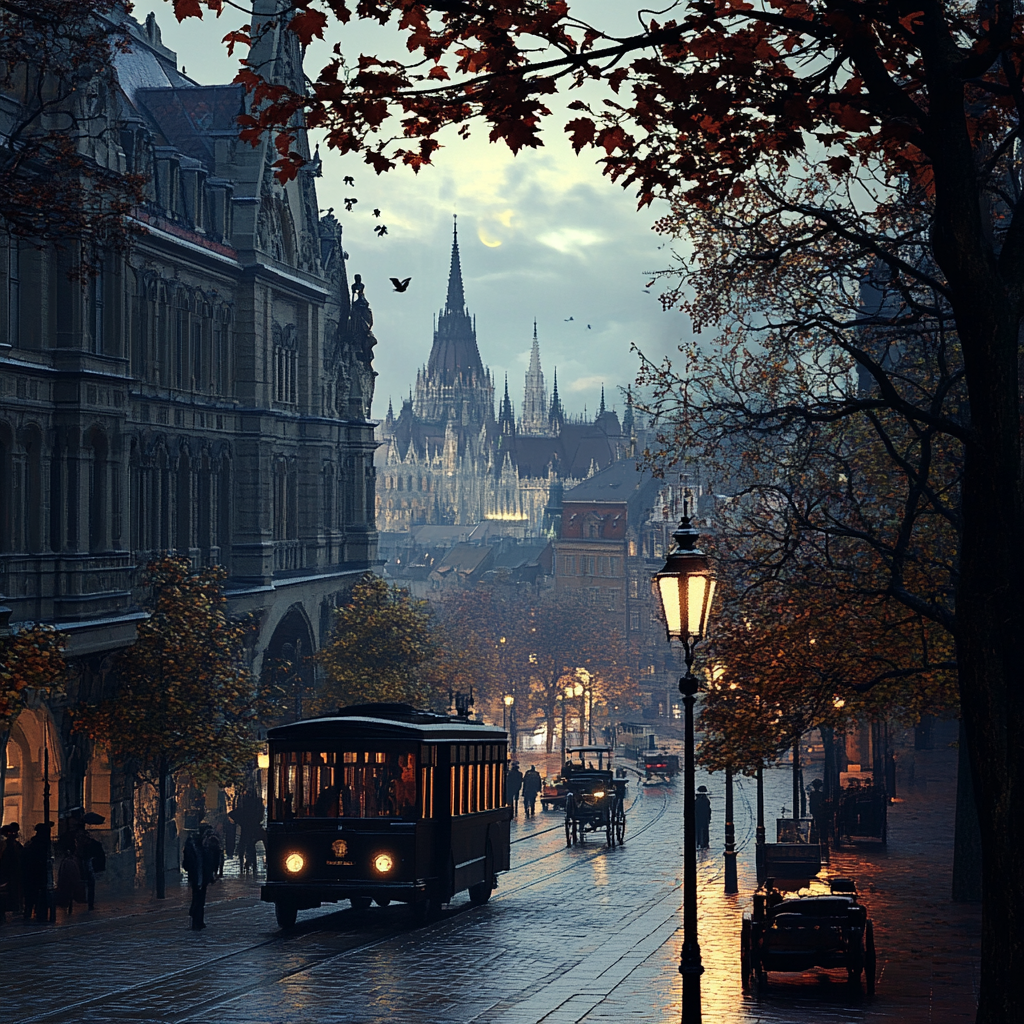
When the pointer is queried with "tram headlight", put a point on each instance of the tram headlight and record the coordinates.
(598, 794)
(383, 863)
(294, 863)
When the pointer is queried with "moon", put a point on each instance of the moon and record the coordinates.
(491, 243)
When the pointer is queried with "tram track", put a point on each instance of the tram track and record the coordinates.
(307, 932)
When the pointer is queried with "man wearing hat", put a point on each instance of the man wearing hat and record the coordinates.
(702, 817)
(513, 785)
(35, 863)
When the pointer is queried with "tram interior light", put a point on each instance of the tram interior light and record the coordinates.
(383, 863)
(294, 863)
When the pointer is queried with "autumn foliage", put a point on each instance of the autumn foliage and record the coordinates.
(32, 660)
(184, 700)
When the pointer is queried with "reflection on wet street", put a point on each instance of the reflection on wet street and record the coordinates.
(572, 934)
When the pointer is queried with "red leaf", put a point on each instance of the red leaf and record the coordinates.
(187, 9)
(307, 25)
(582, 130)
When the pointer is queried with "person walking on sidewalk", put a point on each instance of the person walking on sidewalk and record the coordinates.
(200, 860)
(702, 817)
(10, 868)
(513, 784)
(35, 863)
(532, 785)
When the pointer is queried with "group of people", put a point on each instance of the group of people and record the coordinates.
(529, 785)
(24, 868)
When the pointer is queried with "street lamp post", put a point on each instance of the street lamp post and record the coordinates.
(731, 884)
(686, 588)
(561, 697)
(759, 834)
(506, 713)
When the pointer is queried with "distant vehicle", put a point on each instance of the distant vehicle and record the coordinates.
(383, 802)
(657, 764)
(862, 811)
(787, 932)
(595, 801)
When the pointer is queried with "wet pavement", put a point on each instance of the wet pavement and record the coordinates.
(582, 934)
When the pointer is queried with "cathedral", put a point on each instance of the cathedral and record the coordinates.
(448, 459)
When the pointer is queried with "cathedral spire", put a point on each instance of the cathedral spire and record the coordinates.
(556, 417)
(506, 421)
(456, 301)
(534, 419)
(600, 412)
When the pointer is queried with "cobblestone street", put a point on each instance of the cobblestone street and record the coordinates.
(582, 934)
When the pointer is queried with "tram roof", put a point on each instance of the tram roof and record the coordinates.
(393, 720)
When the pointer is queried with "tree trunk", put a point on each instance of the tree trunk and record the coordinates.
(966, 840)
(550, 720)
(161, 830)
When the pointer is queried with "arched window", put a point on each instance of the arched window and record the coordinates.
(286, 364)
(98, 491)
(183, 504)
(181, 339)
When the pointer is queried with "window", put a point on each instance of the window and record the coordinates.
(613, 566)
(286, 365)
(347, 784)
(13, 291)
(634, 587)
(97, 312)
(568, 565)
(634, 618)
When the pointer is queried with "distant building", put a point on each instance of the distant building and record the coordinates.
(207, 395)
(447, 459)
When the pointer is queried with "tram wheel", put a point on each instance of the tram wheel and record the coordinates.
(360, 902)
(286, 913)
(480, 893)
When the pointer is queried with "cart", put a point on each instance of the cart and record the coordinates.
(595, 800)
(788, 932)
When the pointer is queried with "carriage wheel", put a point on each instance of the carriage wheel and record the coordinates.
(620, 821)
(609, 825)
(570, 825)
(745, 955)
(381, 902)
(360, 902)
(869, 958)
(286, 913)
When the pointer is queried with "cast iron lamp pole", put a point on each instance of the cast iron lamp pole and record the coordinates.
(686, 589)
(731, 884)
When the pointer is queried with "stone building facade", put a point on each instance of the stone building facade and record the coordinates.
(209, 393)
(446, 459)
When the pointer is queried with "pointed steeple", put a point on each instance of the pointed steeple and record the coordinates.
(627, 416)
(556, 417)
(600, 412)
(534, 419)
(456, 301)
(506, 421)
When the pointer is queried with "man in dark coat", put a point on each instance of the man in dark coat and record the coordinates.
(35, 863)
(10, 867)
(532, 785)
(201, 859)
(702, 817)
(513, 784)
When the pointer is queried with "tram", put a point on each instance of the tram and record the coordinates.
(383, 803)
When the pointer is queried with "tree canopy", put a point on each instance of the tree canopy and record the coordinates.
(383, 647)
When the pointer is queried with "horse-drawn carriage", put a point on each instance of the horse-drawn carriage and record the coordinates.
(788, 932)
(861, 813)
(594, 799)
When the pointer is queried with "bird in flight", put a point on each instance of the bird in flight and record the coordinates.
(588, 327)
(381, 230)
(376, 213)
(568, 318)
(400, 286)
(349, 180)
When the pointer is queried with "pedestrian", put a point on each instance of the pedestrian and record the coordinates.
(35, 863)
(70, 881)
(702, 817)
(92, 860)
(532, 785)
(513, 784)
(200, 861)
(248, 816)
(11, 867)
(213, 852)
(816, 806)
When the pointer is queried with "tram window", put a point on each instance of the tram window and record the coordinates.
(462, 754)
(427, 792)
(329, 784)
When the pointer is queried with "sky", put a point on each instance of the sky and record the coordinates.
(542, 235)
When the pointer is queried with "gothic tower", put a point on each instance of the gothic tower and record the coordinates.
(455, 384)
(535, 397)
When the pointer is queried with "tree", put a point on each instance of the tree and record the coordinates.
(383, 647)
(184, 700)
(31, 664)
(879, 128)
(59, 179)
